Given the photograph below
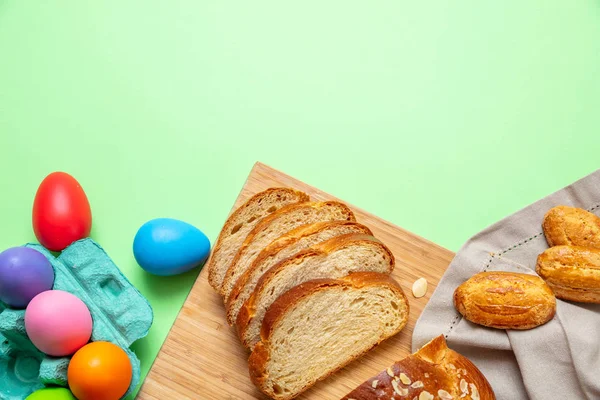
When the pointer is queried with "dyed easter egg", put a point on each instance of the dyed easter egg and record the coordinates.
(99, 371)
(54, 393)
(24, 273)
(166, 246)
(58, 323)
(61, 212)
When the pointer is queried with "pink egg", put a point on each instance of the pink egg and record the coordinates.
(58, 323)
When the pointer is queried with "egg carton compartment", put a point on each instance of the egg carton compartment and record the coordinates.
(120, 314)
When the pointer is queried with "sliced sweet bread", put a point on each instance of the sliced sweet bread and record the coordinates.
(334, 258)
(320, 326)
(274, 226)
(289, 244)
(433, 372)
(241, 222)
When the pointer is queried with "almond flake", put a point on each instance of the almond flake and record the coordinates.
(464, 387)
(451, 366)
(419, 288)
(374, 383)
(399, 390)
(474, 392)
(390, 372)
(444, 395)
(405, 379)
(425, 395)
(426, 375)
(464, 371)
(417, 384)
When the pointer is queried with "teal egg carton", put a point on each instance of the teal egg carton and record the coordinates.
(120, 313)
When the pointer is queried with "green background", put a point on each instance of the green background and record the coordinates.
(442, 117)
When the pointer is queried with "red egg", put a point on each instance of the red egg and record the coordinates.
(61, 212)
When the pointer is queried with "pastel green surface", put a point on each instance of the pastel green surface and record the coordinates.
(442, 117)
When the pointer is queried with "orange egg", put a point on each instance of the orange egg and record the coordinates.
(99, 371)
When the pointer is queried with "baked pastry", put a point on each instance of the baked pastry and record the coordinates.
(335, 258)
(433, 372)
(573, 226)
(573, 273)
(274, 226)
(320, 326)
(241, 222)
(505, 300)
(289, 244)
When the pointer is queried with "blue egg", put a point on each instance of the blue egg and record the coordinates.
(166, 246)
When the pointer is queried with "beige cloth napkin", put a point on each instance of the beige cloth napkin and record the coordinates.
(559, 360)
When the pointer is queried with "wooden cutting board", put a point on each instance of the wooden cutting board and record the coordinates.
(202, 358)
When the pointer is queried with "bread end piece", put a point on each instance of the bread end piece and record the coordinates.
(433, 372)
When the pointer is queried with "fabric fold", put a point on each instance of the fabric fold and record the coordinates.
(560, 359)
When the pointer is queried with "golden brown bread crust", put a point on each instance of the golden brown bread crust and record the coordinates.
(283, 242)
(260, 354)
(292, 296)
(248, 310)
(265, 222)
(505, 300)
(229, 224)
(564, 225)
(432, 369)
(572, 272)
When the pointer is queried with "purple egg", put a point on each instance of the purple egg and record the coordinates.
(24, 273)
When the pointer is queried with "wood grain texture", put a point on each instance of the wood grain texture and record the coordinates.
(202, 357)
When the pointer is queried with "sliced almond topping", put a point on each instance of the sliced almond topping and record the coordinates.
(405, 379)
(464, 387)
(444, 395)
(390, 372)
(426, 375)
(425, 395)
(451, 366)
(419, 288)
(464, 371)
(374, 383)
(417, 384)
(474, 392)
(399, 390)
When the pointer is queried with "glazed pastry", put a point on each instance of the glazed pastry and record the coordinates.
(433, 372)
(573, 273)
(505, 300)
(573, 226)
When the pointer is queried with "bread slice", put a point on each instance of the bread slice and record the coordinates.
(289, 244)
(433, 372)
(276, 225)
(320, 326)
(241, 222)
(335, 258)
